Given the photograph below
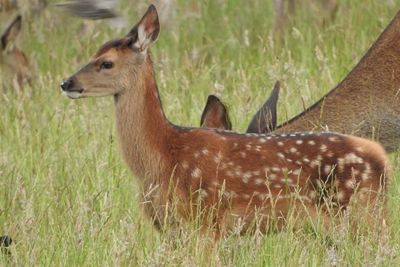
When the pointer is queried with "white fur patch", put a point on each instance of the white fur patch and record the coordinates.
(196, 173)
(185, 164)
(246, 177)
(323, 148)
(218, 157)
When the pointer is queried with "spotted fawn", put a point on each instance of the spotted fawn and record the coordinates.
(229, 177)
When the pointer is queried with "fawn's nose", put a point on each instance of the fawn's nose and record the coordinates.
(66, 84)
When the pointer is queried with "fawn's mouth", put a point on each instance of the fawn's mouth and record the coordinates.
(73, 94)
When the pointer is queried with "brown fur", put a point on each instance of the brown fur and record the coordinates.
(224, 175)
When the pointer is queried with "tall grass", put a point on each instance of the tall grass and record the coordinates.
(68, 200)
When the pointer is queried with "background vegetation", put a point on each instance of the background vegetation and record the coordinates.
(68, 200)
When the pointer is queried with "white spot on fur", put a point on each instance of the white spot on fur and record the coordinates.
(276, 169)
(248, 146)
(351, 184)
(289, 160)
(367, 167)
(277, 186)
(298, 162)
(365, 176)
(340, 196)
(352, 158)
(341, 164)
(293, 150)
(185, 164)
(312, 195)
(196, 173)
(323, 148)
(259, 181)
(246, 196)
(272, 176)
(256, 173)
(327, 169)
(333, 139)
(280, 143)
(315, 163)
(281, 155)
(262, 140)
(264, 196)
(196, 154)
(218, 157)
(204, 151)
(258, 148)
(238, 173)
(296, 172)
(306, 160)
(203, 193)
(311, 142)
(235, 145)
(242, 154)
(246, 177)
(299, 142)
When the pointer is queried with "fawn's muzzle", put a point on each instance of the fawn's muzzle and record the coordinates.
(66, 85)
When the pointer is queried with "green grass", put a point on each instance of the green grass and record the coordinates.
(68, 200)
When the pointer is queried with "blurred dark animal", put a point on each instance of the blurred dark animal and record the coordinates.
(5, 243)
(91, 9)
(326, 10)
(14, 64)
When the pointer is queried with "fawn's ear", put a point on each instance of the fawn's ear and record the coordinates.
(10, 34)
(215, 114)
(146, 31)
(265, 119)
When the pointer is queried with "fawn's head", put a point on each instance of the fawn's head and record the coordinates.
(13, 61)
(114, 64)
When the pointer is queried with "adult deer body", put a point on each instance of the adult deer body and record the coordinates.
(229, 175)
(366, 103)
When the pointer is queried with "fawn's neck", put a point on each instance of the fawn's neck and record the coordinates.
(142, 126)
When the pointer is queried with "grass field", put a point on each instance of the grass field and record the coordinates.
(66, 197)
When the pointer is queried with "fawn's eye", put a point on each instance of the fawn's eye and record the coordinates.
(106, 65)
